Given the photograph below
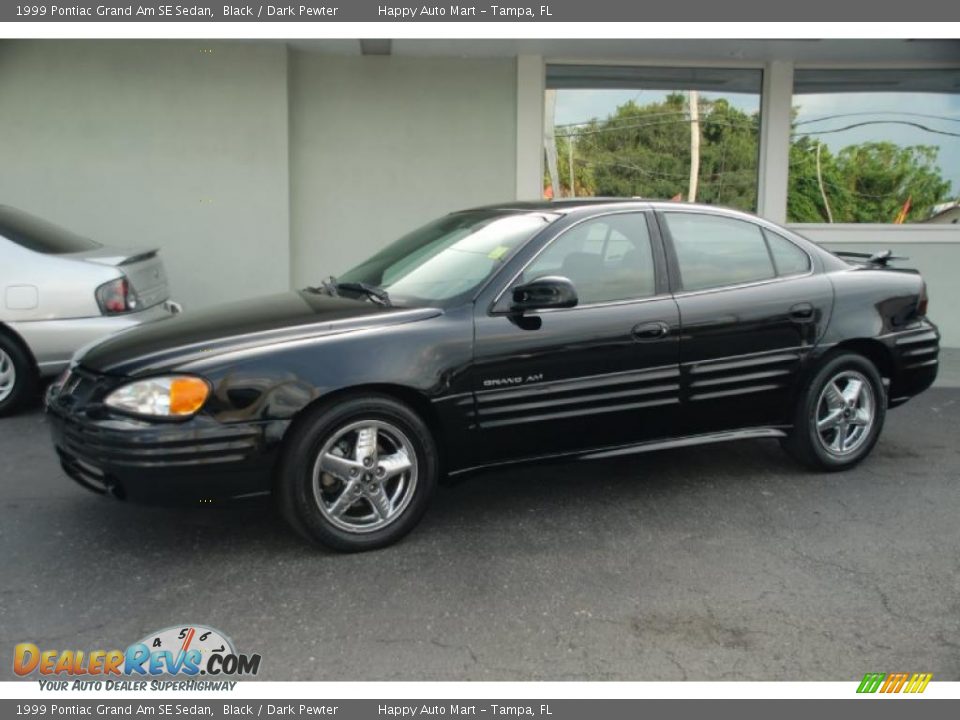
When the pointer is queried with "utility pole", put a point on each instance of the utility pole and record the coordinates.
(550, 141)
(570, 140)
(694, 144)
(823, 192)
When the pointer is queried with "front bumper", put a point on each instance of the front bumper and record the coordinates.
(197, 460)
(54, 342)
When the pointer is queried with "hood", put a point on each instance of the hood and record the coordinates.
(267, 320)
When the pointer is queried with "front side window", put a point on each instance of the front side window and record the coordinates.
(714, 251)
(451, 257)
(875, 146)
(606, 259)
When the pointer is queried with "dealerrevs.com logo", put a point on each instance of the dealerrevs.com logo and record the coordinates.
(183, 650)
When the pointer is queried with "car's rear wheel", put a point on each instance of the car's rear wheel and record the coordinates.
(840, 414)
(358, 474)
(18, 379)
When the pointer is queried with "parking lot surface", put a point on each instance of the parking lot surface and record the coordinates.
(711, 563)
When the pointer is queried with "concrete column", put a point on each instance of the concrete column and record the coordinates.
(530, 88)
(775, 116)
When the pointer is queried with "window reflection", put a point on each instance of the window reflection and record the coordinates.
(683, 133)
(875, 146)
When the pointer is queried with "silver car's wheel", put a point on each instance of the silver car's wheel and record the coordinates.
(365, 476)
(8, 375)
(846, 411)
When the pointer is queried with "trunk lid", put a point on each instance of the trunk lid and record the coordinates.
(143, 269)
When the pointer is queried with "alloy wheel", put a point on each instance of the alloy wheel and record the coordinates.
(846, 412)
(8, 375)
(365, 476)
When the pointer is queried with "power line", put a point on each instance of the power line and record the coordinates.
(619, 118)
(598, 131)
(878, 112)
(878, 122)
(655, 173)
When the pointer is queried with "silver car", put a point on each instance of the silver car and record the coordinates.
(59, 292)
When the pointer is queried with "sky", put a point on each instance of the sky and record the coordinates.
(581, 105)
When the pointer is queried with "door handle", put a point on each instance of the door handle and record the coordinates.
(651, 331)
(801, 312)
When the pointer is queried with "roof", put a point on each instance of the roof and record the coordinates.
(564, 205)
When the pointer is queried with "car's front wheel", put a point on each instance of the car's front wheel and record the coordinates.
(18, 379)
(840, 414)
(358, 474)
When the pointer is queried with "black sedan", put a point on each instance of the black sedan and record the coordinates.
(500, 335)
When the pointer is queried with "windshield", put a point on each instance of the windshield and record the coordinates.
(39, 235)
(451, 257)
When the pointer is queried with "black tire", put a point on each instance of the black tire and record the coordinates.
(14, 360)
(805, 441)
(299, 494)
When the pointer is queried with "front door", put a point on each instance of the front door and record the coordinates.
(602, 374)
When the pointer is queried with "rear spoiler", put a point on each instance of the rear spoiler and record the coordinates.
(880, 259)
(149, 254)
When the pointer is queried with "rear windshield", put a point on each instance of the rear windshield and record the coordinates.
(39, 235)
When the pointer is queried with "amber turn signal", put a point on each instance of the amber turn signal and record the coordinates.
(187, 395)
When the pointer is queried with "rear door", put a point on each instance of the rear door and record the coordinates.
(752, 306)
(601, 374)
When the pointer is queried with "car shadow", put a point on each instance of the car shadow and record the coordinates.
(486, 504)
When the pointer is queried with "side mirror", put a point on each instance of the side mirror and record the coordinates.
(544, 293)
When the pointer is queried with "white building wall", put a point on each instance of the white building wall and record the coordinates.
(180, 145)
(381, 145)
(256, 168)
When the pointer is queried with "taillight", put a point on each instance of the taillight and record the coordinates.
(116, 297)
(924, 301)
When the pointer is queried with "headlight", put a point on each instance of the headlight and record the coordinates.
(174, 396)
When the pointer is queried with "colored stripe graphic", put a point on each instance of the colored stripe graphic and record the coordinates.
(918, 683)
(894, 682)
(871, 682)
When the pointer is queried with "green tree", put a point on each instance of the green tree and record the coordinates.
(644, 151)
(805, 202)
(864, 183)
(883, 176)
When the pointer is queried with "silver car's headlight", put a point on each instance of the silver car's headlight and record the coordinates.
(174, 396)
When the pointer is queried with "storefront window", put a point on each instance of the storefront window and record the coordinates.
(875, 146)
(688, 134)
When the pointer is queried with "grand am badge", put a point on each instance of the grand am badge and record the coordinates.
(516, 380)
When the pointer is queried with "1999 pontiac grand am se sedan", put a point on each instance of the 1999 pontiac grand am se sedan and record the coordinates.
(497, 335)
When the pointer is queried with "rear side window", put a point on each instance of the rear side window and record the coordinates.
(714, 251)
(789, 259)
(40, 236)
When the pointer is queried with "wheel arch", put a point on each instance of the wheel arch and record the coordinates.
(15, 337)
(871, 349)
(416, 400)
(874, 350)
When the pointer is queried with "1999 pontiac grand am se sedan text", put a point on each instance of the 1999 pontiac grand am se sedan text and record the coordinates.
(498, 335)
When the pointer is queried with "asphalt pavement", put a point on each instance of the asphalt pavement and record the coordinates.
(711, 563)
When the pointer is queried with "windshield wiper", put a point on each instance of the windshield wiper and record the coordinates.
(333, 288)
(328, 286)
(378, 295)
